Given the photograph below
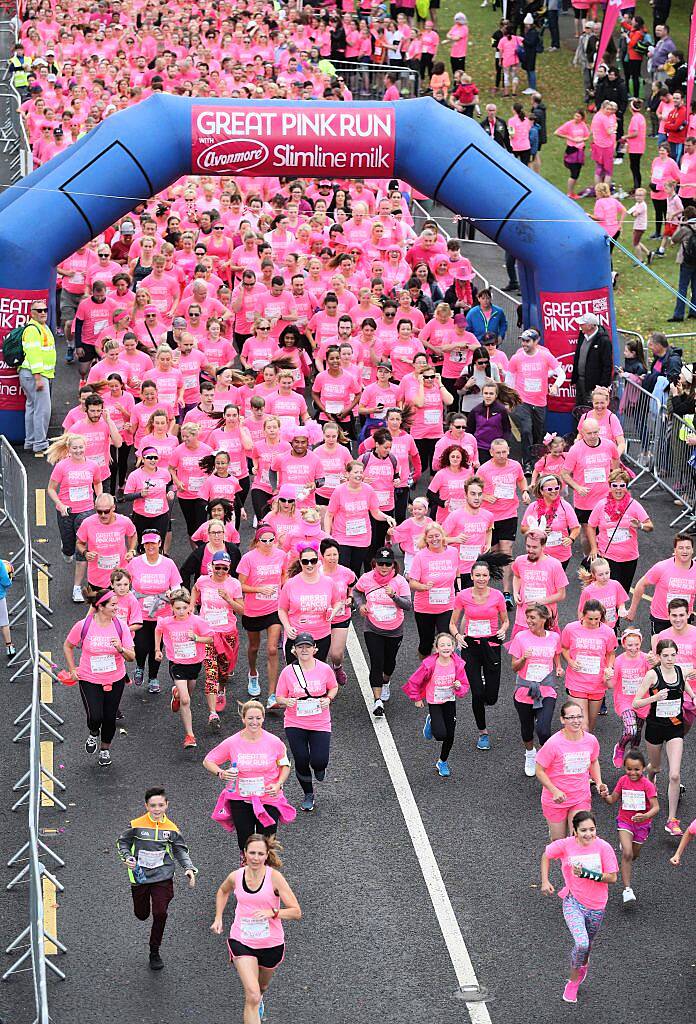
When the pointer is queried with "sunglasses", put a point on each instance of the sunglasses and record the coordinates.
(219, 228)
(221, 568)
(103, 511)
(40, 309)
(552, 488)
(308, 561)
(150, 458)
(428, 378)
(382, 562)
(621, 487)
(263, 328)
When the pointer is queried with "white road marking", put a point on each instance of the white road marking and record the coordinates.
(456, 947)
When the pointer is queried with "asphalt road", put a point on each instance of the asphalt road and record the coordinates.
(369, 944)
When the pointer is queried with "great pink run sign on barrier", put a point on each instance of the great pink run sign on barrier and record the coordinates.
(559, 322)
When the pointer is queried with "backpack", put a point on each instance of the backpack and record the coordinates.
(689, 247)
(391, 458)
(12, 347)
(88, 622)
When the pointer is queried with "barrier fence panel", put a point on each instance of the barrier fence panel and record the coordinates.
(366, 81)
(643, 417)
(36, 720)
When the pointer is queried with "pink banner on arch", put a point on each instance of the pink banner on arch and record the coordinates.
(611, 14)
(692, 60)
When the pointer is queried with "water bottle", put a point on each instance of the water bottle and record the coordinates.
(232, 784)
(139, 874)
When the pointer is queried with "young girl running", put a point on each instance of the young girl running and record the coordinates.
(589, 867)
(536, 658)
(185, 637)
(439, 680)
(629, 672)
(639, 806)
(601, 587)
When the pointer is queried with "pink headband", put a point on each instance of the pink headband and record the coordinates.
(106, 596)
(307, 546)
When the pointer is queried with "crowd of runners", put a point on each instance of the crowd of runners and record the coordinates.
(293, 416)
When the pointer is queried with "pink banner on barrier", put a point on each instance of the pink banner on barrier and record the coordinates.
(559, 323)
(15, 307)
(305, 141)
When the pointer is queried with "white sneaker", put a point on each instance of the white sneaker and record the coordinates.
(386, 691)
(378, 709)
(77, 595)
(628, 895)
(528, 92)
(530, 763)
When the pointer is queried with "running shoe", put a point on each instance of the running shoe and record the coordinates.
(530, 763)
(214, 721)
(156, 962)
(484, 742)
(153, 686)
(603, 707)
(104, 760)
(10, 650)
(582, 973)
(428, 728)
(378, 709)
(253, 686)
(189, 741)
(119, 716)
(91, 744)
(272, 703)
(386, 691)
(443, 769)
(682, 792)
(139, 676)
(70, 356)
(308, 802)
(341, 677)
(67, 558)
(509, 602)
(262, 1010)
(570, 992)
(320, 774)
(674, 828)
(77, 595)
(618, 756)
(628, 895)
(220, 702)
(175, 703)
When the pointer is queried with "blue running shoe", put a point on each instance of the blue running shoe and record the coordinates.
(308, 802)
(443, 769)
(262, 1010)
(484, 742)
(427, 729)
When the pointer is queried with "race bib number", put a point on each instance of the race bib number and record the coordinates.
(532, 386)
(537, 671)
(534, 593)
(591, 861)
(255, 927)
(332, 479)
(384, 498)
(307, 707)
(455, 503)
(478, 627)
(153, 506)
(252, 786)
(588, 664)
(439, 595)
(383, 612)
(621, 536)
(185, 649)
(576, 762)
(632, 800)
(554, 539)
(99, 663)
(469, 552)
(356, 527)
(268, 597)
(668, 708)
(98, 458)
(216, 616)
(108, 561)
(441, 694)
(629, 686)
(150, 858)
(78, 493)
(432, 416)
(150, 602)
(684, 597)
(333, 408)
(195, 483)
(190, 382)
(504, 491)
(597, 475)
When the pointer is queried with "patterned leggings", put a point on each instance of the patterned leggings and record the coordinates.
(583, 925)
(632, 728)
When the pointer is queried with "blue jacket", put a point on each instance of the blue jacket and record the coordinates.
(5, 581)
(476, 322)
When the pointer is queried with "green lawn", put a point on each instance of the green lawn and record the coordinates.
(642, 303)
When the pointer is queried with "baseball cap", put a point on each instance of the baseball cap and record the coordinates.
(589, 318)
(221, 556)
(531, 334)
(459, 320)
(127, 228)
(178, 321)
(384, 555)
(152, 538)
(385, 365)
(304, 638)
(288, 492)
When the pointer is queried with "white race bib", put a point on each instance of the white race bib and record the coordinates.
(591, 861)
(504, 491)
(532, 386)
(150, 858)
(554, 539)
(108, 561)
(621, 536)
(685, 597)
(469, 552)
(190, 382)
(478, 627)
(107, 663)
(308, 706)
(632, 800)
(384, 498)
(576, 762)
(383, 612)
(588, 664)
(78, 493)
(356, 527)
(596, 475)
(150, 602)
(252, 786)
(432, 416)
(185, 649)
(100, 325)
(537, 671)
(534, 593)
(216, 616)
(255, 927)
(195, 483)
(153, 506)
(629, 686)
(668, 708)
(333, 407)
(439, 595)
(98, 458)
(332, 479)
(441, 694)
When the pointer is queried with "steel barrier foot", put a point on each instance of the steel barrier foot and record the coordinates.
(18, 878)
(54, 714)
(16, 966)
(56, 970)
(22, 800)
(56, 781)
(13, 945)
(22, 782)
(17, 856)
(47, 623)
(54, 732)
(56, 942)
(45, 873)
(26, 665)
(53, 798)
(47, 849)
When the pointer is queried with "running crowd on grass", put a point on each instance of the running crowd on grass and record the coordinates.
(309, 403)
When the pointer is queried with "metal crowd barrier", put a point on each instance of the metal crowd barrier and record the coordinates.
(36, 719)
(366, 81)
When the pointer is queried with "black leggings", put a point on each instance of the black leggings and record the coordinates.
(382, 650)
(379, 536)
(443, 722)
(240, 498)
(352, 557)
(193, 511)
(101, 707)
(322, 650)
(119, 465)
(623, 572)
(158, 524)
(634, 163)
(428, 625)
(426, 450)
(539, 719)
(246, 823)
(400, 503)
(144, 641)
(260, 502)
(632, 69)
(310, 751)
(482, 660)
(660, 208)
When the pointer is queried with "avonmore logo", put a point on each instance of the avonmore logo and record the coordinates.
(235, 154)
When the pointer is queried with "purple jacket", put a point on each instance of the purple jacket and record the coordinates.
(488, 423)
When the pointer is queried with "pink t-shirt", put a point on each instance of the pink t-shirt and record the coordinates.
(263, 455)
(638, 129)
(308, 605)
(307, 686)
(608, 212)
(75, 483)
(299, 472)
(259, 759)
(351, 514)
(567, 764)
(332, 465)
(99, 661)
(540, 652)
(602, 133)
(179, 646)
(185, 462)
(562, 523)
(474, 527)
(629, 673)
(590, 466)
(480, 619)
(215, 610)
(128, 610)
(466, 441)
(441, 685)
(519, 129)
(108, 542)
(591, 649)
(507, 47)
(382, 612)
(406, 533)
(449, 484)
(151, 581)
(440, 568)
(262, 571)
(230, 441)
(215, 486)
(611, 596)
(501, 482)
(597, 856)
(344, 578)
(635, 797)
(336, 393)
(670, 581)
(537, 579)
(623, 536)
(156, 484)
(531, 374)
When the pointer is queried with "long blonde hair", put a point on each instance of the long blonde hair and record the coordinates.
(60, 448)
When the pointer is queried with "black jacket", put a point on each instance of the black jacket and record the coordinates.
(191, 569)
(669, 365)
(500, 132)
(599, 366)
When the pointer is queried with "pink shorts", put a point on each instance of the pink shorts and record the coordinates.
(639, 831)
(597, 695)
(560, 812)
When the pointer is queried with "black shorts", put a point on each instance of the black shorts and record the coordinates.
(182, 672)
(657, 733)
(504, 529)
(270, 957)
(583, 514)
(89, 353)
(257, 623)
(343, 624)
(320, 499)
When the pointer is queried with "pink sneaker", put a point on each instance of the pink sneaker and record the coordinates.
(341, 677)
(618, 756)
(582, 974)
(674, 828)
(570, 992)
(220, 702)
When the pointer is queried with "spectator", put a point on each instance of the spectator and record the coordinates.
(593, 361)
(35, 374)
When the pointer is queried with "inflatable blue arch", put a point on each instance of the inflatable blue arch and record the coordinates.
(563, 257)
